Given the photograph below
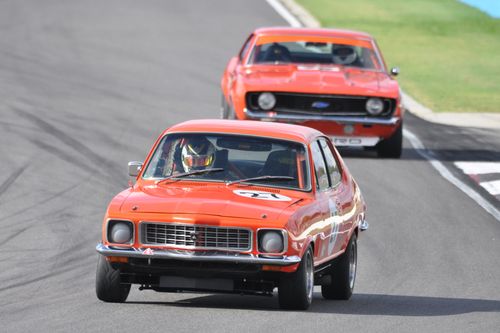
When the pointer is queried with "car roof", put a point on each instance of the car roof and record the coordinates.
(275, 130)
(323, 32)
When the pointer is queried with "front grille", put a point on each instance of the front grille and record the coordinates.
(325, 105)
(196, 236)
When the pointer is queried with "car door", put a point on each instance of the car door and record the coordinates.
(333, 195)
(323, 227)
(340, 198)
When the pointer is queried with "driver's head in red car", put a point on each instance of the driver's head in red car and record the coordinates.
(197, 153)
(343, 54)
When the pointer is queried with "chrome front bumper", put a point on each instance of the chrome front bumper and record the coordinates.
(196, 256)
(301, 118)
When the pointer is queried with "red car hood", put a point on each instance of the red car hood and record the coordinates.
(319, 79)
(208, 200)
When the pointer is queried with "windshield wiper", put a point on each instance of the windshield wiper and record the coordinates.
(267, 178)
(185, 174)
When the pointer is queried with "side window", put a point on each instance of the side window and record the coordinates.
(331, 163)
(245, 47)
(319, 166)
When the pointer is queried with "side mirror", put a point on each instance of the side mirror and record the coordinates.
(394, 71)
(134, 168)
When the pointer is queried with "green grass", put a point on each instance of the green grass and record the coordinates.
(448, 52)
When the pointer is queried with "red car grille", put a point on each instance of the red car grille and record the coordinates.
(326, 105)
(196, 236)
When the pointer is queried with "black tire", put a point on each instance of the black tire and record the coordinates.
(108, 286)
(343, 273)
(224, 108)
(393, 146)
(295, 289)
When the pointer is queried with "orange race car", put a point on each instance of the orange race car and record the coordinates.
(237, 207)
(333, 80)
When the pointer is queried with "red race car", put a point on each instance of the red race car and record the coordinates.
(335, 81)
(236, 207)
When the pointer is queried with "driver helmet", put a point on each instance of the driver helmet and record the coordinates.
(344, 54)
(197, 153)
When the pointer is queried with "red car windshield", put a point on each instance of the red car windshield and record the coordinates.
(230, 159)
(304, 52)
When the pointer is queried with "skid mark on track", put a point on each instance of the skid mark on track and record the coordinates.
(63, 156)
(77, 146)
(61, 136)
(12, 127)
(11, 179)
(13, 235)
(113, 170)
(66, 269)
(64, 260)
(44, 201)
(48, 219)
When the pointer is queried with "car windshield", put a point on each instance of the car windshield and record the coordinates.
(323, 53)
(233, 159)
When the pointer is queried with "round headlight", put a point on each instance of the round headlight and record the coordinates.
(266, 101)
(271, 242)
(374, 106)
(120, 233)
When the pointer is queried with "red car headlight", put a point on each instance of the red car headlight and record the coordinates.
(374, 106)
(120, 232)
(266, 101)
(270, 241)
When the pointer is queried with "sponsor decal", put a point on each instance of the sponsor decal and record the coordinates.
(320, 105)
(261, 195)
(329, 246)
(335, 226)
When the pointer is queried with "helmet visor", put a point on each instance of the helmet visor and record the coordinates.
(197, 161)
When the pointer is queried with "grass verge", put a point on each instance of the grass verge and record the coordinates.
(448, 52)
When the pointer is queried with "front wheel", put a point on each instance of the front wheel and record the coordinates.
(224, 108)
(393, 146)
(108, 286)
(295, 290)
(226, 111)
(343, 273)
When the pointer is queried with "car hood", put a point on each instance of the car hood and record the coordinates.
(227, 201)
(319, 79)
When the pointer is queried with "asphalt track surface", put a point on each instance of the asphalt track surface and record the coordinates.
(86, 86)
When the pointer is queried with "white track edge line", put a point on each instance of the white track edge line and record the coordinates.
(285, 13)
(446, 174)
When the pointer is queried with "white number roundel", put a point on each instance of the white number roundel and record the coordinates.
(261, 195)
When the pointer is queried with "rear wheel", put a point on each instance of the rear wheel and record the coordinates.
(296, 289)
(393, 146)
(108, 286)
(343, 273)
